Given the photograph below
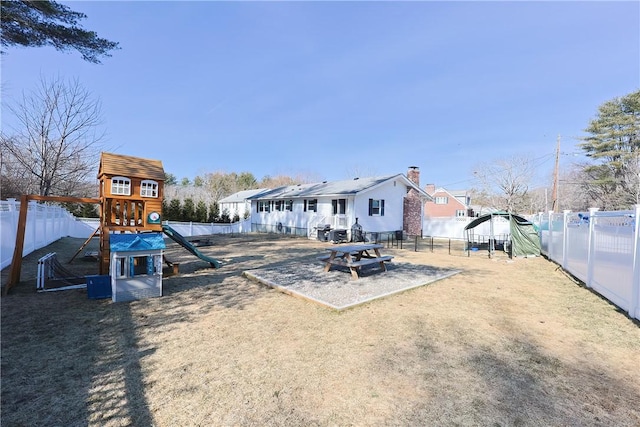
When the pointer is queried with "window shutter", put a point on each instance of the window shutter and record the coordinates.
(381, 207)
(370, 207)
(305, 205)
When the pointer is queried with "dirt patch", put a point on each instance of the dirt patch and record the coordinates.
(501, 343)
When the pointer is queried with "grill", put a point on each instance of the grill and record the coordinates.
(323, 232)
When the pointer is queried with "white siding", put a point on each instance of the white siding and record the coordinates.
(357, 207)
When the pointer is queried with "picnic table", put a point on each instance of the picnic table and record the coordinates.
(355, 256)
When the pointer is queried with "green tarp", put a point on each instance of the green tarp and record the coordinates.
(524, 239)
(524, 235)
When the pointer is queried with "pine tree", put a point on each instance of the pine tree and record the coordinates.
(615, 144)
(188, 210)
(175, 210)
(201, 212)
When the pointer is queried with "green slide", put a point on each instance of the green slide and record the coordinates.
(177, 237)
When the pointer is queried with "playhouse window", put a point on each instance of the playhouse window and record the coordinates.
(121, 267)
(311, 205)
(142, 265)
(121, 185)
(149, 188)
(132, 266)
(376, 207)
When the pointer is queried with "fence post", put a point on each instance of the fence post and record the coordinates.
(591, 247)
(32, 220)
(15, 215)
(565, 240)
(46, 208)
(550, 238)
(539, 224)
(635, 281)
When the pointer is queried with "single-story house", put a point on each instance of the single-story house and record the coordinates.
(238, 203)
(379, 204)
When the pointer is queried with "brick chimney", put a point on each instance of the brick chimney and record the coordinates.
(412, 215)
(414, 175)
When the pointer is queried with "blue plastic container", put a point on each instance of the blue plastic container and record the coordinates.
(98, 287)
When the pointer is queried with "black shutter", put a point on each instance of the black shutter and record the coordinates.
(305, 205)
(381, 207)
(370, 207)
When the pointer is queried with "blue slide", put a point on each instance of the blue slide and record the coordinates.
(178, 238)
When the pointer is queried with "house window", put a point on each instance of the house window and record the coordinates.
(278, 205)
(311, 205)
(288, 205)
(442, 200)
(121, 185)
(149, 188)
(461, 212)
(376, 207)
(339, 206)
(263, 206)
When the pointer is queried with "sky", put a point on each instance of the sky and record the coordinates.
(333, 90)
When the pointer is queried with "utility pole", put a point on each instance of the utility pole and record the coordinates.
(555, 178)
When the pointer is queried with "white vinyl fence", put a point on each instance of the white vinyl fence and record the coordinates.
(48, 223)
(602, 249)
(453, 228)
(45, 224)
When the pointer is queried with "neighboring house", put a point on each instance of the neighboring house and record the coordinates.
(238, 203)
(379, 204)
(447, 203)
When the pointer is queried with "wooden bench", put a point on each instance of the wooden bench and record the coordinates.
(367, 261)
(355, 265)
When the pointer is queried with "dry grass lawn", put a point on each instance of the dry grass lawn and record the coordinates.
(501, 344)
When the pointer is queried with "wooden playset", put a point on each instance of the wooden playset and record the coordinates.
(131, 191)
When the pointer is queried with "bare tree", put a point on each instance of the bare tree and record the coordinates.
(56, 141)
(358, 170)
(575, 191)
(506, 182)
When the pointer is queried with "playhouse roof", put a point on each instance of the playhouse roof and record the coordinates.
(136, 242)
(334, 188)
(129, 166)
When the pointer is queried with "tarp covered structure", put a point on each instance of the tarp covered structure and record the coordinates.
(523, 236)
